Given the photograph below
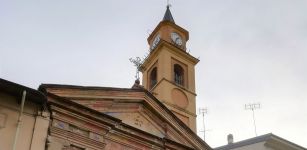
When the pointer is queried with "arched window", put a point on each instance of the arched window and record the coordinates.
(153, 77)
(178, 74)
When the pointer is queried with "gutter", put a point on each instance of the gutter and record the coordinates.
(19, 121)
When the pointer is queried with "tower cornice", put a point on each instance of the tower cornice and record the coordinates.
(167, 23)
(172, 49)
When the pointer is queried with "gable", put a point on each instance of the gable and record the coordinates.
(141, 121)
(136, 114)
(132, 113)
(135, 107)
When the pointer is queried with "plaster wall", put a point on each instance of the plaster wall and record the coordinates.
(164, 60)
(9, 112)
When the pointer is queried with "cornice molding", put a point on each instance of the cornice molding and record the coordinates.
(171, 48)
(173, 83)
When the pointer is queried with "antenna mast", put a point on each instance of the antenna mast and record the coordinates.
(203, 111)
(252, 107)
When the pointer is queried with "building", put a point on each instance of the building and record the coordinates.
(168, 71)
(24, 119)
(263, 142)
(160, 114)
(113, 118)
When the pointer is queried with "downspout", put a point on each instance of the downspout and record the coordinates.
(24, 93)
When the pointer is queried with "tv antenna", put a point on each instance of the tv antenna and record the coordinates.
(252, 107)
(138, 64)
(203, 111)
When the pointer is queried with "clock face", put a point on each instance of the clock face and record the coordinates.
(176, 38)
(155, 42)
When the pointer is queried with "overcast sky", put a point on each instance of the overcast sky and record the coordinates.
(249, 51)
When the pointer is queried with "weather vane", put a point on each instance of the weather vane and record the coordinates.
(138, 64)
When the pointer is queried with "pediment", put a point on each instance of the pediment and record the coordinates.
(134, 107)
(131, 113)
(135, 113)
(140, 121)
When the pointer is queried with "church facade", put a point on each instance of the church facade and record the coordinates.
(159, 114)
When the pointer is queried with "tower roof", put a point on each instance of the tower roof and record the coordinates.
(168, 15)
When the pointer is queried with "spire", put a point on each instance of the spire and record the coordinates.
(168, 15)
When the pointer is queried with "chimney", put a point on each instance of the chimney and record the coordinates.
(230, 138)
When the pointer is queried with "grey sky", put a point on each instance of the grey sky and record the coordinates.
(250, 51)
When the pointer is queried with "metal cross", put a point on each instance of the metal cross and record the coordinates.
(138, 64)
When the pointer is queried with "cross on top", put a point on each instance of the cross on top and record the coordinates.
(168, 4)
(138, 64)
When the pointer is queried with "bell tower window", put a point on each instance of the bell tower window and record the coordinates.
(153, 77)
(178, 74)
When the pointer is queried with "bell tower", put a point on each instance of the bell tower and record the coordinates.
(169, 71)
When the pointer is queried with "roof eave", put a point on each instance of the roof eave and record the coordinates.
(16, 90)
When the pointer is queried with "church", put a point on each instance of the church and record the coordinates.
(158, 114)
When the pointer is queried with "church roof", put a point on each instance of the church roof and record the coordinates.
(168, 15)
